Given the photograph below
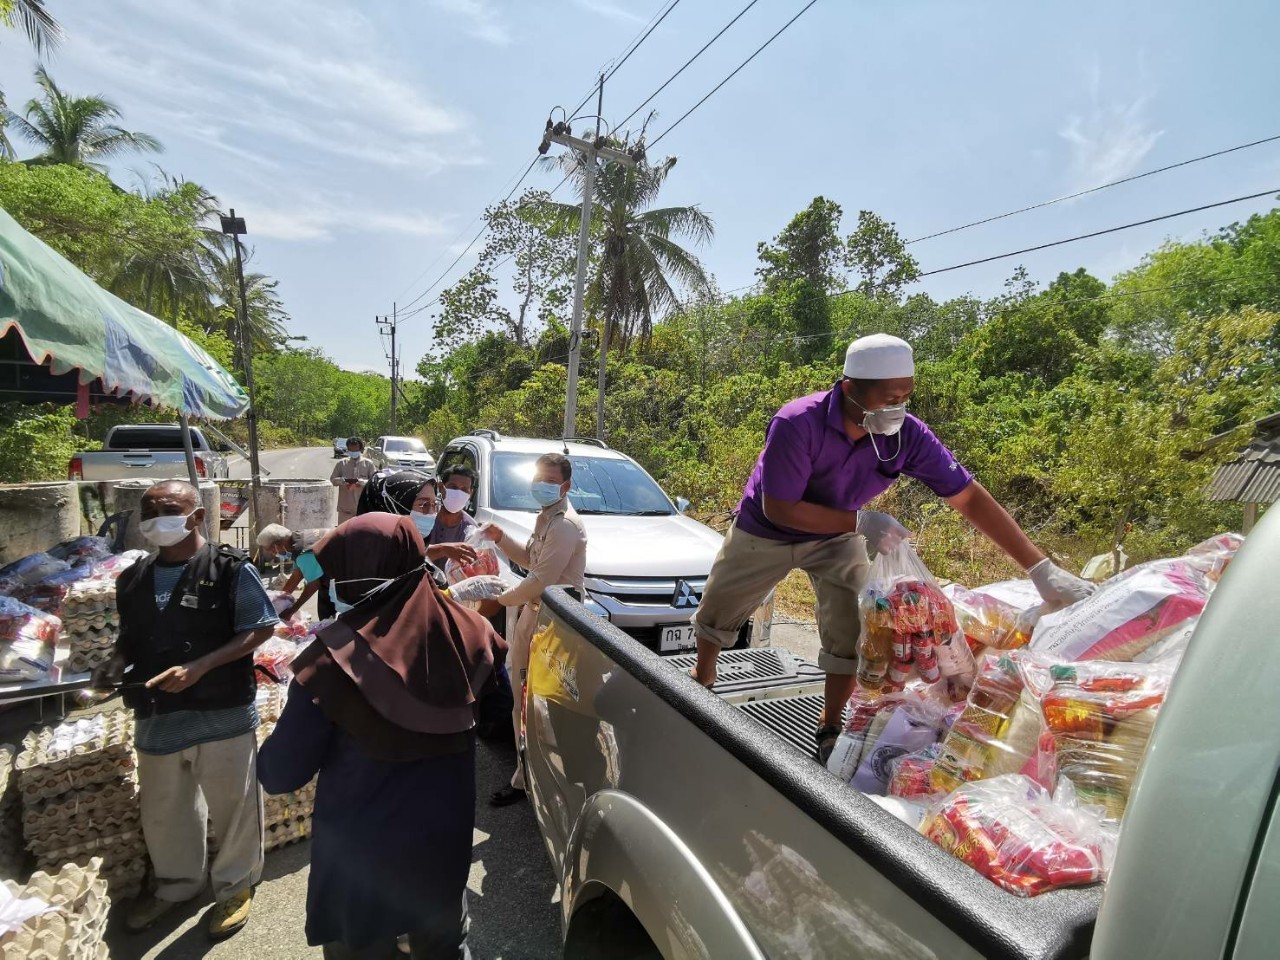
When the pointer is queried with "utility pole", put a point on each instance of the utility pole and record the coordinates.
(589, 151)
(235, 227)
(390, 324)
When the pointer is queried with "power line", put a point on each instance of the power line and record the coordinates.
(1099, 233)
(1084, 193)
(474, 240)
(631, 48)
(705, 46)
(759, 50)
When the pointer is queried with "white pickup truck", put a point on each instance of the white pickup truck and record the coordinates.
(682, 824)
(151, 450)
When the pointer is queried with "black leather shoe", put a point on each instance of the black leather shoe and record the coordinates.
(507, 796)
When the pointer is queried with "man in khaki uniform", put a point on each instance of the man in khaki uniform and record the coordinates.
(350, 476)
(556, 555)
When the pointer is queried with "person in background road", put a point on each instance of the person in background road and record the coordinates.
(825, 456)
(190, 618)
(350, 476)
(382, 710)
(556, 554)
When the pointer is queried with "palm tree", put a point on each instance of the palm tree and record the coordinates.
(639, 267)
(41, 29)
(174, 272)
(75, 130)
(266, 315)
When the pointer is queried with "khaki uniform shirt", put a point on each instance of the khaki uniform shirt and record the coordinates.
(349, 493)
(556, 554)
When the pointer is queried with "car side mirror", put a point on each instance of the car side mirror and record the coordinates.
(682, 504)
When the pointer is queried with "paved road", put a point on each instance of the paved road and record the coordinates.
(513, 895)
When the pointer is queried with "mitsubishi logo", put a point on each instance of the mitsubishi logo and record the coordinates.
(684, 597)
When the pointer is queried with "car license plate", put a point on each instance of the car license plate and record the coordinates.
(676, 638)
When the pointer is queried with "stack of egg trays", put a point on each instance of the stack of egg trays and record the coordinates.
(72, 931)
(82, 803)
(12, 857)
(287, 817)
(90, 624)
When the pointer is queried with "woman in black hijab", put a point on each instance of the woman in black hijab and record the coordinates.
(413, 494)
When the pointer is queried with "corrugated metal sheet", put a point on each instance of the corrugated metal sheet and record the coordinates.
(1253, 477)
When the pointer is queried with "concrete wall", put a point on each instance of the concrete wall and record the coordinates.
(35, 516)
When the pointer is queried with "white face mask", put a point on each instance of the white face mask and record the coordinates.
(886, 422)
(166, 531)
(455, 501)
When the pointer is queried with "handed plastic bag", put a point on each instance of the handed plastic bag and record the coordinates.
(27, 637)
(1100, 716)
(1126, 615)
(484, 565)
(904, 614)
(995, 733)
(1011, 831)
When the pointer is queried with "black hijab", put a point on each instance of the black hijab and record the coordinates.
(392, 492)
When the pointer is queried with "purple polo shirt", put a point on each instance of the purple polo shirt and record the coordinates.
(808, 456)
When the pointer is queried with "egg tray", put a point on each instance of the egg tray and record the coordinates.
(270, 705)
(123, 844)
(112, 737)
(86, 661)
(40, 783)
(82, 809)
(291, 831)
(74, 931)
(279, 810)
(58, 838)
(91, 624)
(124, 878)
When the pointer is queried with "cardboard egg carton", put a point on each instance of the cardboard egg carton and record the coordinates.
(86, 661)
(41, 783)
(289, 806)
(271, 700)
(121, 845)
(83, 809)
(78, 743)
(67, 839)
(288, 832)
(74, 930)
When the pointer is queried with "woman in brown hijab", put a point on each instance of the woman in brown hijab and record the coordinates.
(382, 708)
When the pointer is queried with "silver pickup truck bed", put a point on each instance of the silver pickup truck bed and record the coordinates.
(727, 840)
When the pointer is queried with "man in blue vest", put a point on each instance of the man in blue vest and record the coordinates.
(190, 617)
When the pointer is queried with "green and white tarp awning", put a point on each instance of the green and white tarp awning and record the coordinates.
(70, 325)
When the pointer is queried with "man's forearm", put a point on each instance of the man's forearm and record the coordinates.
(241, 645)
(976, 505)
(513, 549)
(809, 517)
(291, 584)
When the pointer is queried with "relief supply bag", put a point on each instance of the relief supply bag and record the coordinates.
(484, 565)
(1126, 614)
(1011, 831)
(906, 615)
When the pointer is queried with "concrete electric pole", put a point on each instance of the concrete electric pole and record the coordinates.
(588, 151)
(389, 323)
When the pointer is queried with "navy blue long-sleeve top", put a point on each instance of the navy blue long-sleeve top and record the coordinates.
(391, 841)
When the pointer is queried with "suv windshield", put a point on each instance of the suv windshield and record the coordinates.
(600, 486)
(398, 445)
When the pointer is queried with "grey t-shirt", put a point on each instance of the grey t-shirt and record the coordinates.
(455, 534)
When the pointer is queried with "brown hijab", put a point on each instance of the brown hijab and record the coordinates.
(402, 671)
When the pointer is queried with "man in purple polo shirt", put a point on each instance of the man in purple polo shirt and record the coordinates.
(824, 457)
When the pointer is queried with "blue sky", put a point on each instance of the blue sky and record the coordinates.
(358, 140)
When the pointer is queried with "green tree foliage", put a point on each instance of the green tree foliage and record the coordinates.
(77, 131)
(526, 234)
(809, 248)
(879, 258)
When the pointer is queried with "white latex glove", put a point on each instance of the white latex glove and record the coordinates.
(881, 530)
(1058, 588)
(478, 588)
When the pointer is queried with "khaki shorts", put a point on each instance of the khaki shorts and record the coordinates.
(748, 567)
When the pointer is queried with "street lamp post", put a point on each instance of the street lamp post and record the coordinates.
(234, 227)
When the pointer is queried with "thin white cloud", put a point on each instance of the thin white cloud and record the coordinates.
(320, 218)
(1110, 139)
(479, 16)
(612, 11)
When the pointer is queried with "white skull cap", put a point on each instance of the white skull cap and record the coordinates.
(879, 356)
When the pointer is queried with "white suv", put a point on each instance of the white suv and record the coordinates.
(647, 564)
